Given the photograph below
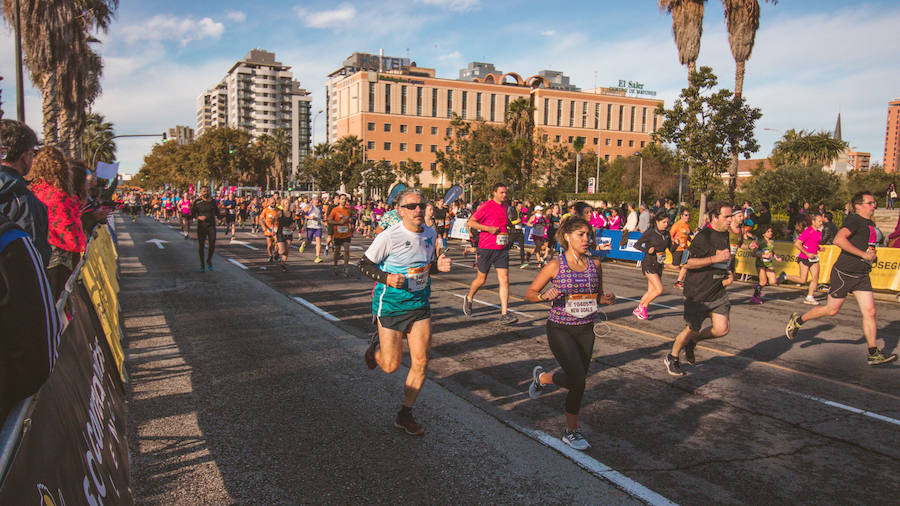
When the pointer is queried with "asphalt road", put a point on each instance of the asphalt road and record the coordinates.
(758, 419)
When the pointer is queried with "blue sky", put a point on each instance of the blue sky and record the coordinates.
(812, 58)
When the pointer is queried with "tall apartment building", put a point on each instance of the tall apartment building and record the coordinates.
(259, 94)
(892, 137)
(181, 134)
(858, 160)
(406, 113)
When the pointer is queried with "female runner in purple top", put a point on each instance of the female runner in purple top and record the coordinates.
(577, 290)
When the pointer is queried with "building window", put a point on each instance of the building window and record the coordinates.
(631, 125)
(433, 166)
(478, 106)
(630, 143)
(606, 157)
(449, 103)
(621, 116)
(387, 146)
(371, 127)
(387, 98)
(572, 113)
(558, 112)
(370, 145)
(418, 129)
(644, 120)
(505, 106)
(608, 115)
(403, 100)
(433, 130)
(595, 141)
(619, 142)
(402, 146)
(584, 115)
(402, 129)
(387, 127)
(449, 131)
(556, 139)
(465, 97)
(434, 102)
(371, 97)
(493, 105)
(418, 148)
(546, 108)
(418, 100)
(596, 116)
(434, 148)
(570, 139)
(642, 143)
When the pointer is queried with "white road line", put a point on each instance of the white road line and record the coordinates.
(356, 247)
(235, 262)
(843, 406)
(638, 300)
(595, 467)
(324, 314)
(488, 304)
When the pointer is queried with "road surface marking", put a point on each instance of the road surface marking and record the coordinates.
(244, 244)
(487, 304)
(324, 314)
(843, 406)
(638, 300)
(357, 247)
(158, 242)
(595, 467)
(235, 262)
(724, 353)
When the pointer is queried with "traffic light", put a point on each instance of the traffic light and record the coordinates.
(230, 150)
(164, 137)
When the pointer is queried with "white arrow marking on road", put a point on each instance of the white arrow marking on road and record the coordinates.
(158, 243)
(242, 243)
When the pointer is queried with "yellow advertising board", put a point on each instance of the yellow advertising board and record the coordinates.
(99, 276)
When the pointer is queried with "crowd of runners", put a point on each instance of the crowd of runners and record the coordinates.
(410, 241)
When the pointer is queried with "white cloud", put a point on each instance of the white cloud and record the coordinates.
(167, 27)
(334, 18)
(548, 33)
(237, 16)
(454, 5)
(455, 55)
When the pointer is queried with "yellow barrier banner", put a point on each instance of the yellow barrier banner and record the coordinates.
(886, 270)
(99, 277)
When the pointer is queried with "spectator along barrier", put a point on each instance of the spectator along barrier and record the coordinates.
(66, 444)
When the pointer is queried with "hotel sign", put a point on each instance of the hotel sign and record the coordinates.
(399, 80)
(632, 88)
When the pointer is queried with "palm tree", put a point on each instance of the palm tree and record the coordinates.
(687, 27)
(280, 145)
(806, 147)
(97, 138)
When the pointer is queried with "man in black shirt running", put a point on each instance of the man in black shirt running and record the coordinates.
(850, 273)
(708, 274)
(206, 210)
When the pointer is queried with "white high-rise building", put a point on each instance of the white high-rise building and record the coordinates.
(259, 95)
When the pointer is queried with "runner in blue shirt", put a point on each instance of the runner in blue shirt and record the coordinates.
(401, 260)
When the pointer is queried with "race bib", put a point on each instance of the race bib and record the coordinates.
(661, 258)
(343, 229)
(417, 278)
(722, 265)
(812, 258)
(581, 305)
(519, 227)
(733, 248)
(767, 254)
(538, 231)
(502, 239)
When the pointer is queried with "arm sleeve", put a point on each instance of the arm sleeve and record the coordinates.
(31, 325)
(642, 243)
(371, 271)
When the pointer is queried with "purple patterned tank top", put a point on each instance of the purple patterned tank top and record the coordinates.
(569, 282)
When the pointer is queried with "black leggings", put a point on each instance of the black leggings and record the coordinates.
(205, 232)
(572, 345)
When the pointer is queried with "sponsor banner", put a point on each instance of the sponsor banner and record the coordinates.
(73, 450)
(99, 277)
(458, 229)
(627, 252)
(886, 269)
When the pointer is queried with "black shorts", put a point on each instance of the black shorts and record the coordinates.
(677, 257)
(538, 241)
(652, 268)
(280, 237)
(499, 258)
(806, 262)
(342, 241)
(402, 322)
(842, 283)
(695, 312)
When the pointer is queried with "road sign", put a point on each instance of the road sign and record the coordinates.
(591, 183)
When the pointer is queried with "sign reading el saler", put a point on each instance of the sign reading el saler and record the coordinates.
(74, 451)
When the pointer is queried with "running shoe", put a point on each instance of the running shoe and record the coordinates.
(334, 270)
(408, 424)
(688, 349)
(210, 267)
(302, 247)
(793, 325)
(318, 260)
(679, 284)
(782, 277)
(524, 266)
(878, 358)
(811, 301)
(672, 365)
(640, 312)
(576, 440)
(185, 237)
(467, 306)
(202, 268)
(283, 267)
(346, 273)
(370, 351)
(508, 319)
(535, 389)
(755, 300)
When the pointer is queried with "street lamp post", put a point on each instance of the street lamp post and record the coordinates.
(314, 128)
(640, 177)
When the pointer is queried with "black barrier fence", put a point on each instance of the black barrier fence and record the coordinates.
(67, 444)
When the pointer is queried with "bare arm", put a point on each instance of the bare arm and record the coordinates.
(533, 294)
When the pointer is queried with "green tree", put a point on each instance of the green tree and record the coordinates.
(348, 161)
(707, 127)
(408, 172)
(808, 148)
(98, 138)
(875, 180)
(280, 148)
(378, 178)
(796, 183)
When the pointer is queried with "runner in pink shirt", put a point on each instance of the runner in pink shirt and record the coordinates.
(808, 243)
(491, 220)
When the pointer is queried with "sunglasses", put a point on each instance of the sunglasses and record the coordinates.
(413, 207)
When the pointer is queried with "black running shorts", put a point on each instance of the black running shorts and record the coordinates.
(402, 322)
(499, 258)
(695, 312)
(842, 283)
